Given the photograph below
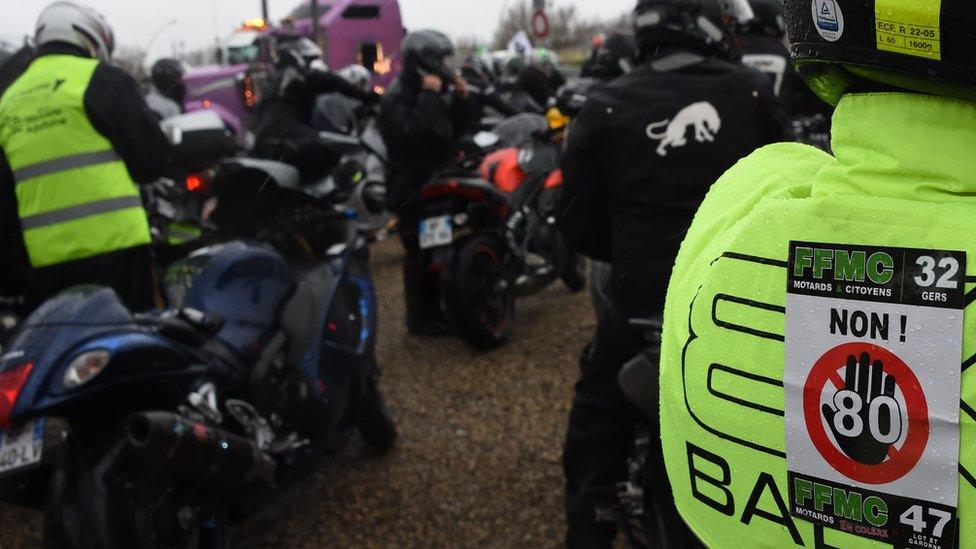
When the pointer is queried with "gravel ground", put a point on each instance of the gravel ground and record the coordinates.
(478, 461)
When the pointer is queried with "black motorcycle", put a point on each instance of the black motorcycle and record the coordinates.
(643, 505)
(489, 227)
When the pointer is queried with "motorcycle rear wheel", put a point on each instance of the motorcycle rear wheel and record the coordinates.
(479, 303)
(107, 499)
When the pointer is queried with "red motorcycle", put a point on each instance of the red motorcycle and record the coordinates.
(490, 228)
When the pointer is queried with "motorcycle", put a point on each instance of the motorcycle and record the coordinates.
(489, 228)
(643, 505)
(148, 430)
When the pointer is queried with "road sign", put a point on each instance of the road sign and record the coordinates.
(540, 24)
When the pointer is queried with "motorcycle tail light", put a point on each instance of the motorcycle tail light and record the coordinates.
(12, 380)
(452, 188)
(85, 367)
(198, 182)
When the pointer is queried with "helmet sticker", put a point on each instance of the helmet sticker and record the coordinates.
(828, 19)
(910, 27)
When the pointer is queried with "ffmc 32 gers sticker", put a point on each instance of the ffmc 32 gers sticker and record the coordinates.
(872, 377)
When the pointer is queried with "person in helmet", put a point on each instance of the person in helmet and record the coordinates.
(901, 174)
(77, 138)
(476, 72)
(540, 78)
(639, 159)
(763, 44)
(612, 57)
(422, 116)
(167, 90)
(283, 125)
(358, 76)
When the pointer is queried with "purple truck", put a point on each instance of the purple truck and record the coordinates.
(365, 32)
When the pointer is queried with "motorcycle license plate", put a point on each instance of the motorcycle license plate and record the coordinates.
(436, 231)
(22, 446)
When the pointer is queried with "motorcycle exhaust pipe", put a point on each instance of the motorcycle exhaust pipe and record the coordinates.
(197, 450)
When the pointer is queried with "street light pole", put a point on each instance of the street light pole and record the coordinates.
(159, 32)
(315, 21)
(264, 9)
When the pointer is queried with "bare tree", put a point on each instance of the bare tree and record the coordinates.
(567, 29)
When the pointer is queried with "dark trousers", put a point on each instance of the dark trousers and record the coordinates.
(600, 437)
(129, 272)
(421, 287)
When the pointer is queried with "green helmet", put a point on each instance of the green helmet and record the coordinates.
(918, 45)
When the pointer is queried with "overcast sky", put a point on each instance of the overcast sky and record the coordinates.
(136, 22)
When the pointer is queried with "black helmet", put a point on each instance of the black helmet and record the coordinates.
(767, 20)
(613, 55)
(923, 46)
(428, 50)
(167, 76)
(702, 25)
(298, 52)
(478, 66)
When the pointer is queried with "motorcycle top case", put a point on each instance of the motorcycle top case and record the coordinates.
(246, 284)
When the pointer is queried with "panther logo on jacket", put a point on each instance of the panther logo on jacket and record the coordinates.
(702, 117)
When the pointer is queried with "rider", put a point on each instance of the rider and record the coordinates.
(764, 49)
(167, 90)
(540, 78)
(901, 174)
(77, 137)
(476, 71)
(612, 56)
(639, 159)
(283, 128)
(422, 116)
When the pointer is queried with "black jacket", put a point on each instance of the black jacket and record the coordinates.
(283, 126)
(537, 85)
(117, 110)
(421, 129)
(640, 157)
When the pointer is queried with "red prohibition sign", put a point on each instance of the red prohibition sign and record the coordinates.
(900, 460)
(540, 24)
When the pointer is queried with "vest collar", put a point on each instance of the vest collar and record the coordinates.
(902, 145)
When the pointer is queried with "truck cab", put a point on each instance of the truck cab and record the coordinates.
(364, 32)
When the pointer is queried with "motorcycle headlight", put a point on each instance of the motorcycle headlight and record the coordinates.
(85, 367)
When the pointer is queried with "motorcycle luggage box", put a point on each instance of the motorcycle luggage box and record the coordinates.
(245, 284)
(199, 139)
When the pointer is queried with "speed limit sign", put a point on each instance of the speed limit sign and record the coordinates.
(872, 380)
(540, 24)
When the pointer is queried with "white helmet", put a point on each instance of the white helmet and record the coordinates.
(79, 26)
(357, 75)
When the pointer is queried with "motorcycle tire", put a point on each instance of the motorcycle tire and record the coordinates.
(376, 424)
(92, 505)
(477, 306)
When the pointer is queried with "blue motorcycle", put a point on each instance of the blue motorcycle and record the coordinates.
(148, 430)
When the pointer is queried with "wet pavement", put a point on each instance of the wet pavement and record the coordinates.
(478, 460)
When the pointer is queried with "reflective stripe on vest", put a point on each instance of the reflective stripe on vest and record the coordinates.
(75, 197)
(63, 164)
